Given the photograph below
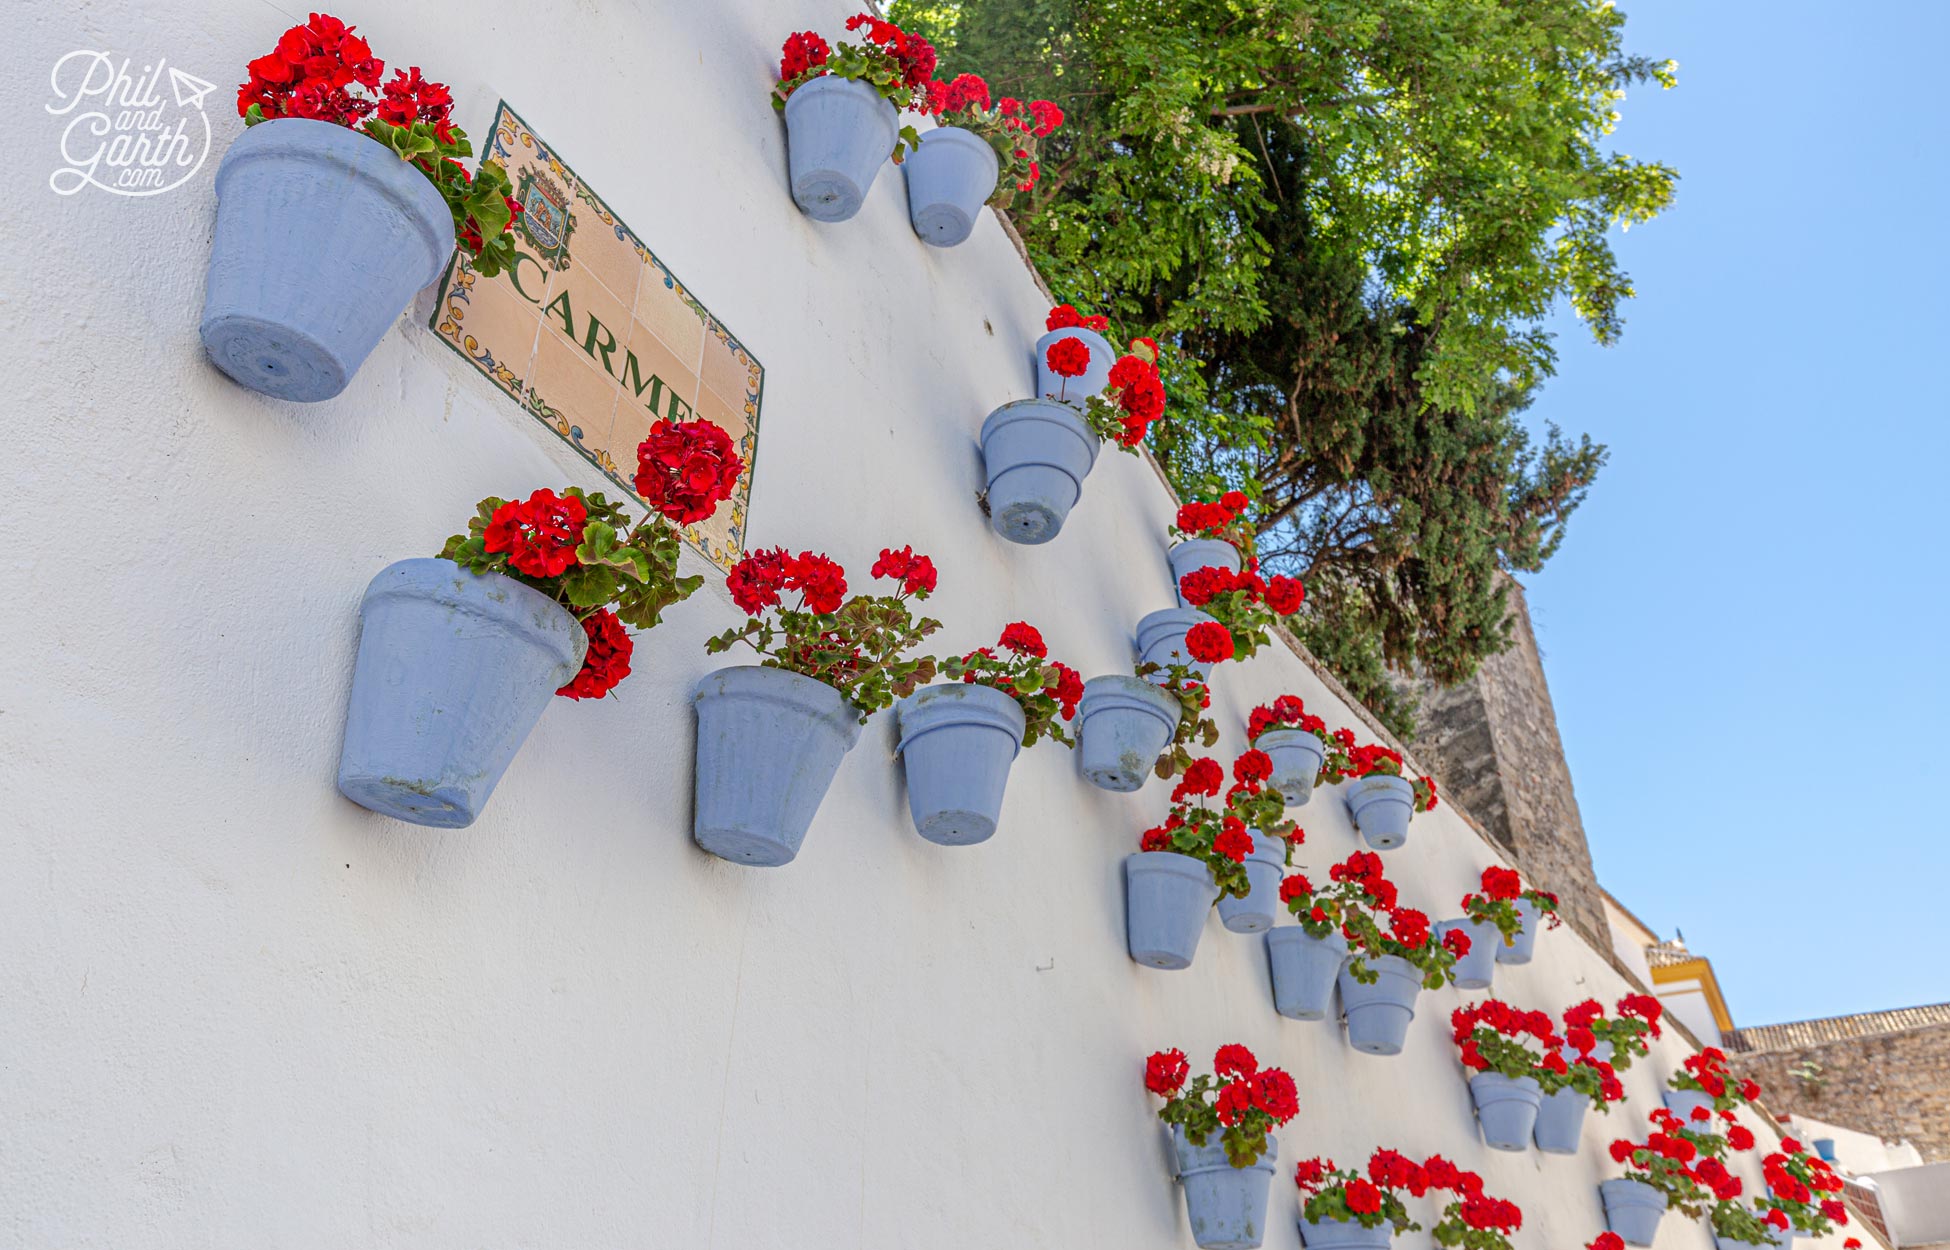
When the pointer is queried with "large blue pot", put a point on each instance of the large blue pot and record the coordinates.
(323, 235)
(1378, 1014)
(1123, 726)
(1075, 392)
(1632, 1210)
(1477, 969)
(1200, 553)
(1381, 805)
(1297, 756)
(454, 669)
(838, 134)
(1525, 946)
(1161, 640)
(1304, 969)
(1336, 1235)
(1037, 453)
(1560, 1122)
(949, 178)
(768, 745)
(1166, 899)
(1682, 1102)
(1265, 868)
(1225, 1205)
(1506, 1109)
(957, 742)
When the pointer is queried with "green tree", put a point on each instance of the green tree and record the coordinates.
(1346, 220)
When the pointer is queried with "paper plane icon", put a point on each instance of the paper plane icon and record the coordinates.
(189, 89)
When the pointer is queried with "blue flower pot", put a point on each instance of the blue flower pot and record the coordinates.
(957, 742)
(1265, 867)
(1123, 726)
(1225, 1205)
(1378, 1014)
(1681, 1102)
(1336, 1235)
(1475, 970)
(1075, 392)
(1506, 1109)
(1381, 805)
(1780, 1237)
(1037, 453)
(838, 134)
(1200, 553)
(1304, 968)
(1525, 946)
(1161, 640)
(1560, 1122)
(1297, 756)
(1824, 1148)
(1632, 1210)
(323, 235)
(454, 669)
(1166, 899)
(949, 178)
(768, 745)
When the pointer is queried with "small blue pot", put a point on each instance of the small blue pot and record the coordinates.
(838, 134)
(454, 669)
(949, 178)
(1161, 639)
(1560, 1122)
(1166, 899)
(957, 743)
(1037, 453)
(1381, 805)
(1520, 951)
(1335, 1235)
(1378, 1014)
(768, 745)
(1200, 553)
(1824, 1148)
(1225, 1205)
(1123, 726)
(1506, 1109)
(1632, 1210)
(1265, 867)
(1297, 756)
(1075, 392)
(1475, 970)
(1681, 1102)
(1304, 968)
(323, 235)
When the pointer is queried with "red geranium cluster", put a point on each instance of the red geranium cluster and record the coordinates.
(897, 66)
(320, 71)
(1681, 1162)
(1471, 1217)
(1223, 837)
(1068, 358)
(1358, 902)
(685, 469)
(1288, 711)
(1493, 1036)
(858, 646)
(1354, 762)
(1209, 642)
(1707, 1073)
(1214, 519)
(1246, 604)
(1585, 1026)
(1803, 1191)
(1243, 1103)
(1066, 317)
(582, 551)
(1497, 902)
(1047, 690)
(1136, 396)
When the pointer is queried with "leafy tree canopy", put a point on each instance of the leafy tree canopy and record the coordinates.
(1347, 219)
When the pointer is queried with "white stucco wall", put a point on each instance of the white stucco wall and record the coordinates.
(236, 1010)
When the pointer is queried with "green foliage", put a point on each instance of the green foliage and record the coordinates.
(858, 649)
(1195, 728)
(1345, 221)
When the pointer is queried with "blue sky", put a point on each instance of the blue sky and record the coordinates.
(1745, 630)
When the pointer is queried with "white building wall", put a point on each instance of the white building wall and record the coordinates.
(1689, 1004)
(1856, 1152)
(240, 1011)
(1628, 942)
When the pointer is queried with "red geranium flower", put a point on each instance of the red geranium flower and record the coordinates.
(1024, 639)
(685, 469)
(1208, 642)
(1068, 358)
(1362, 1197)
(607, 660)
(915, 573)
(1233, 1059)
(1165, 1072)
(539, 536)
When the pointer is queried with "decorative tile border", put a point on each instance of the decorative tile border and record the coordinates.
(595, 337)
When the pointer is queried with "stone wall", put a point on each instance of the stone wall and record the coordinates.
(1895, 1084)
(1494, 745)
